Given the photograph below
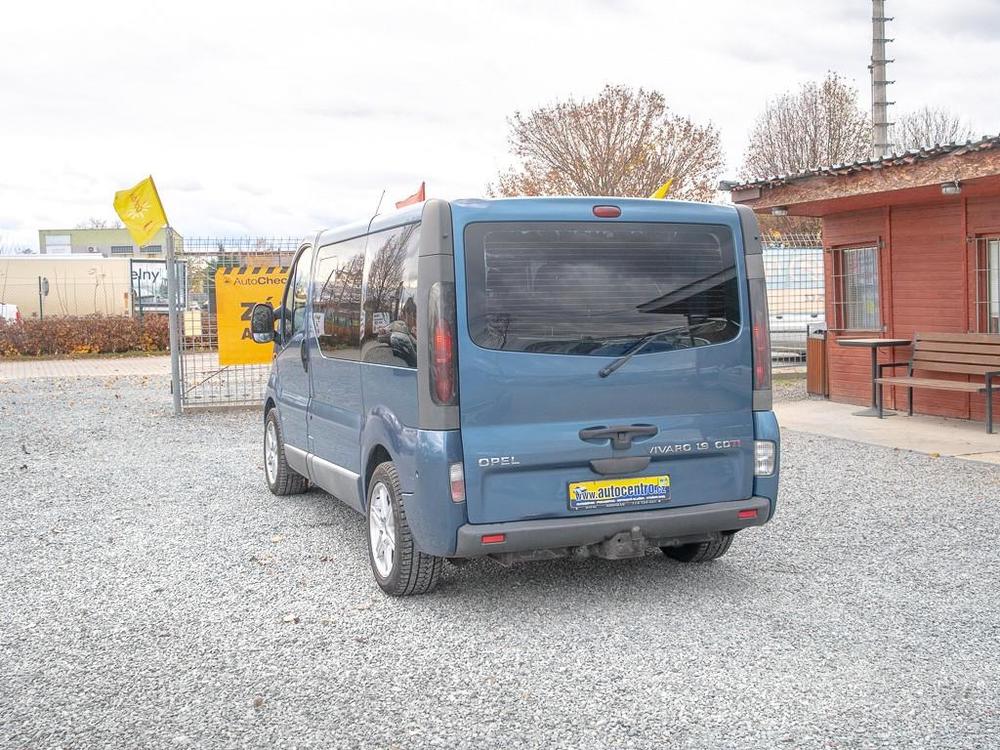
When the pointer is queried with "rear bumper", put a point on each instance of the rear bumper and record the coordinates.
(668, 523)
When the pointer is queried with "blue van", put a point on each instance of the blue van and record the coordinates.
(527, 379)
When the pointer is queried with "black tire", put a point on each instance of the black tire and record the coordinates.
(411, 571)
(281, 478)
(700, 551)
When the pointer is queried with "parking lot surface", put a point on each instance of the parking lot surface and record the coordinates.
(155, 594)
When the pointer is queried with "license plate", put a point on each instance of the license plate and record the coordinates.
(615, 493)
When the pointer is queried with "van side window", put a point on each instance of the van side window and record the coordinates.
(337, 298)
(296, 295)
(389, 335)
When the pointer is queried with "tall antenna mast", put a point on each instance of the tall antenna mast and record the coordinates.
(880, 106)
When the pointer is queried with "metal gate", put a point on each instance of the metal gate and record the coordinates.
(793, 267)
(199, 379)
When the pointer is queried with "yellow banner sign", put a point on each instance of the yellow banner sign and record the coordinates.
(237, 290)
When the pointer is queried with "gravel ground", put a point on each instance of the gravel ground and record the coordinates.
(155, 594)
(790, 387)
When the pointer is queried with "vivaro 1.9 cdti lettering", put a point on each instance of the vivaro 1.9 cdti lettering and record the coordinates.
(528, 379)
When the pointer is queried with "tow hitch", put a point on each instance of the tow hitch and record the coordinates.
(621, 546)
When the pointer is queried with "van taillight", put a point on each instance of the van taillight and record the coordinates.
(444, 355)
(759, 323)
(441, 320)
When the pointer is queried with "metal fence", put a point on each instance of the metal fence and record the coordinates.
(793, 265)
(204, 382)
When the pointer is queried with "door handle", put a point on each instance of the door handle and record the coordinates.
(611, 466)
(620, 435)
(304, 354)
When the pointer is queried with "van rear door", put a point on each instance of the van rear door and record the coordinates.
(550, 307)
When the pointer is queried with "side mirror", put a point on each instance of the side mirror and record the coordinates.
(262, 323)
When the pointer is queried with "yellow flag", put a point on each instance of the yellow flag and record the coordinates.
(662, 190)
(141, 211)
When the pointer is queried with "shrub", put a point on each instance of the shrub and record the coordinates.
(92, 334)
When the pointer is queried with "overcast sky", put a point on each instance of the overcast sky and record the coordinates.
(278, 118)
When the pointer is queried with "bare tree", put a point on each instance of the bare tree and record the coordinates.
(385, 278)
(13, 248)
(929, 126)
(342, 286)
(95, 223)
(818, 125)
(622, 142)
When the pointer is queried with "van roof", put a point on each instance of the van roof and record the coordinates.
(412, 213)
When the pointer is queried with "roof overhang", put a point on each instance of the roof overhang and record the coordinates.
(888, 182)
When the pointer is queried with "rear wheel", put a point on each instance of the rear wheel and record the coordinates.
(282, 479)
(400, 569)
(700, 551)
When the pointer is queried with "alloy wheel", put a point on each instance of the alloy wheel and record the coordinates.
(382, 530)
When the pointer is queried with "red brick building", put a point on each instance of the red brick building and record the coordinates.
(912, 244)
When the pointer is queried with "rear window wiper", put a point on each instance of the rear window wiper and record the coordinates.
(645, 341)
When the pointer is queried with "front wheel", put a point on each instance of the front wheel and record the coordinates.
(400, 569)
(700, 551)
(282, 479)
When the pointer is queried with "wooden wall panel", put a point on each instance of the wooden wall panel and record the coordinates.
(984, 215)
(925, 287)
(978, 408)
(852, 228)
(929, 286)
(850, 368)
(849, 373)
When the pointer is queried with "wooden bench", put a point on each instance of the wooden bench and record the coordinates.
(957, 353)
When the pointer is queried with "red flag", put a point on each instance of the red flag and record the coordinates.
(417, 197)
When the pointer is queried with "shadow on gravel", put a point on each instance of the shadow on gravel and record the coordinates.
(485, 584)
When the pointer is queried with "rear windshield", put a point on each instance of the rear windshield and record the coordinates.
(587, 288)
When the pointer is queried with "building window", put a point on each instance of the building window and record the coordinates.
(121, 249)
(58, 244)
(988, 285)
(151, 250)
(856, 289)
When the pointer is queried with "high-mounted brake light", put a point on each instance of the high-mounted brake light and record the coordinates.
(607, 212)
(444, 370)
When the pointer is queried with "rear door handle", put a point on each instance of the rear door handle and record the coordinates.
(625, 465)
(304, 354)
(620, 435)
